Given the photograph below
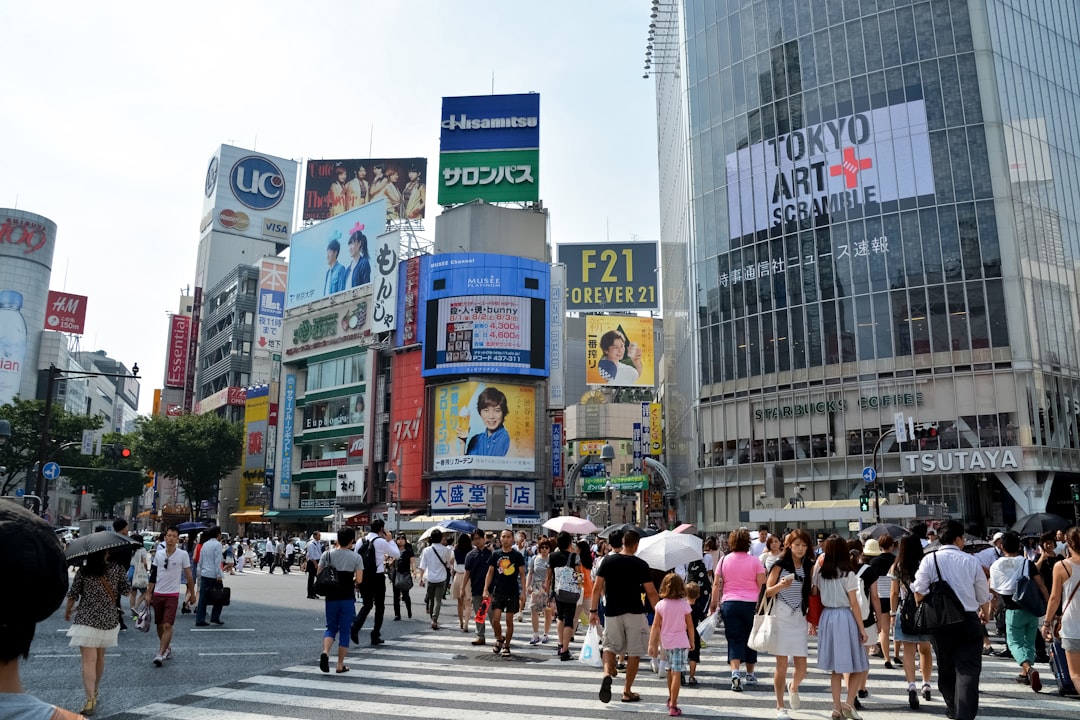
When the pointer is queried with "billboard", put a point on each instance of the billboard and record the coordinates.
(465, 495)
(619, 350)
(287, 433)
(27, 242)
(249, 193)
(489, 149)
(256, 414)
(270, 312)
(408, 310)
(384, 282)
(485, 314)
(335, 187)
(176, 366)
(66, 312)
(656, 429)
(335, 412)
(848, 164)
(611, 276)
(483, 425)
(407, 442)
(335, 255)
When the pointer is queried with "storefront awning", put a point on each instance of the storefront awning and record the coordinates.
(344, 516)
(144, 513)
(301, 514)
(248, 516)
(271, 513)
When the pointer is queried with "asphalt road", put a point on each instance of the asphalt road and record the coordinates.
(270, 624)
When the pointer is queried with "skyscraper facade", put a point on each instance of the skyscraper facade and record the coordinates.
(877, 203)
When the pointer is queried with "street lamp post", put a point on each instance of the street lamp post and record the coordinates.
(391, 480)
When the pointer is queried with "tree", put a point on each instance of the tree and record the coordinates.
(197, 450)
(20, 453)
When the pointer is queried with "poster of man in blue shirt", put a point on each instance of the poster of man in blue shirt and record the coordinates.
(494, 440)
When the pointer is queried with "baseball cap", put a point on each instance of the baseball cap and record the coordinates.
(997, 536)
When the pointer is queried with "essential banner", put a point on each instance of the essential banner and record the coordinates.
(483, 425)
(619, 350)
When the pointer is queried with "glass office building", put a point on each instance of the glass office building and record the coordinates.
(877, 203)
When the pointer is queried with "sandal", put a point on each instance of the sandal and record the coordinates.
(631, 697)
(605, 689)
(506, 650)
(343, 669)
(324, 664)
(498, 646)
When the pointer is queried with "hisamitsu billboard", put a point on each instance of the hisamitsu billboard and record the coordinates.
(610, 276)
(490, 122)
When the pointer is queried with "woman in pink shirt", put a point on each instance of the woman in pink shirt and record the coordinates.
(736, 588)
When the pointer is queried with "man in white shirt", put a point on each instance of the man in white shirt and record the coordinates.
(313, 555)
(373, 588)
(210, 576)
(958, 647)
(435, 571)
(762, 543)
(164, 590)
(269, 557)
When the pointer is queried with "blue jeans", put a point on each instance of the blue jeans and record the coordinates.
(205, 583)
(738, 622)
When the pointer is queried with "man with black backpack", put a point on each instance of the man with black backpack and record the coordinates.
(373, 551)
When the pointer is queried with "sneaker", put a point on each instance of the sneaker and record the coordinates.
(544, 639)
(1033, 677)
(535, 640)
(736, 683)
(913, 698)
(564, 655)
(158, 660)
(782, 714)
(751, 679)
(926, 691)
(1022, 679)
(793, 699)
(479, 641)
(168, 653)
(864, 693)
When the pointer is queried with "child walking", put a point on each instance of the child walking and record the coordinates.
(697, 614)
(673, 631)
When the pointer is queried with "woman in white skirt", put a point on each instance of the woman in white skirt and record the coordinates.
(96, 587)
(840, 631)
(789, 581)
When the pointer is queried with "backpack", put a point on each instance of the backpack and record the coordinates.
(568, 582)
(864, 602)
(367, 555)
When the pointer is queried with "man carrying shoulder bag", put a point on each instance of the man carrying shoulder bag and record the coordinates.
(958, 646)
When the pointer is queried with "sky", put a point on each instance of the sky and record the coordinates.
(111, 112)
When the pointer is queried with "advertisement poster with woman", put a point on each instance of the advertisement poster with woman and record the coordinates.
(482, 425)
(619, 350)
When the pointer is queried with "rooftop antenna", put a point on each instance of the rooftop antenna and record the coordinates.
(255, 143)
(371, 139)
(492, 82)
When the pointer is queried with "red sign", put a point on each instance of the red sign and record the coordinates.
(177, 363)
(174, 410)
(323, 463)
(29, 234)
(236, 396)
(412, 296)
(356, 449)
(407, 432)
(66, 312)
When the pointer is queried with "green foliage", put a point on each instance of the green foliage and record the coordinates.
(111, 480)
(21, 451)
(198, 450)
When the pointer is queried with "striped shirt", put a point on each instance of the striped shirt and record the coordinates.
(792, 595)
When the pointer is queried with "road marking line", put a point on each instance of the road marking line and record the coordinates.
(217, 630)
(235, 653)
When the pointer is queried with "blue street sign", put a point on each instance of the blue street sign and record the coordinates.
(19, 492)
(869, 474)
(51, 471)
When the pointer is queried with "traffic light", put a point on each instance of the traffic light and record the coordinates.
(116, 451)
(925, 431)
(864, 503)
(1075, 493)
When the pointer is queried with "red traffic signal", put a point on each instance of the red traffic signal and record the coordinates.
(925, 431)
(125, 452)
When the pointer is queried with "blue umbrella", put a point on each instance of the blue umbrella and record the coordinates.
(189, 526)
(458, 526)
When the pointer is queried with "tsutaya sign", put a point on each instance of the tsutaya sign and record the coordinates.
(959, 461)
(820, 171)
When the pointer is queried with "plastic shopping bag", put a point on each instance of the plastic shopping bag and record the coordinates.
(591, 654)
(707, 627)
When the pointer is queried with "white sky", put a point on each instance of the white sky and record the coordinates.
(111, 110)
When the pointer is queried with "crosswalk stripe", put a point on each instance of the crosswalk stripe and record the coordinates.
(440, 675)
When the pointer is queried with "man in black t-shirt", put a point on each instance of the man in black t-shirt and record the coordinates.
(620, 581)
(476, 564)
(503, 584)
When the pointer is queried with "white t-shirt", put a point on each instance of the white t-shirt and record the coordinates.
(21, 706)
(758, 546)
(169, 578)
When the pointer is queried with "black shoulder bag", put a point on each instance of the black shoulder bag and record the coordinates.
(940, 608)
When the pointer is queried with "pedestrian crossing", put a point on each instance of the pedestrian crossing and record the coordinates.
(438, 674)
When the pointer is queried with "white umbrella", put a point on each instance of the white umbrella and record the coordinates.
(427, 533)
(666, 550)
(570, 524)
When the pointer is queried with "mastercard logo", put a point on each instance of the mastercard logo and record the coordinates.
(234, 220)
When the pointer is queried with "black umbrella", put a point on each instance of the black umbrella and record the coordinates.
(877, 531)
(623, 527)
(1039, 523)
(189, 526)
(96, 542)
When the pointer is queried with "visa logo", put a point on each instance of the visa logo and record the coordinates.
(275, 227)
